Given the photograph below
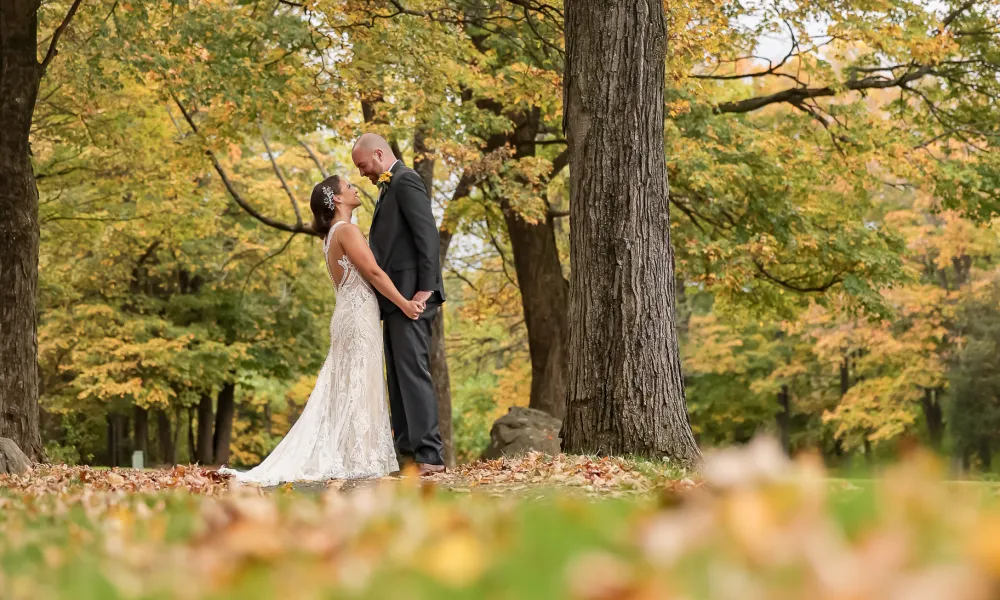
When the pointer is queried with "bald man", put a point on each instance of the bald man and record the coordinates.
(404, 240)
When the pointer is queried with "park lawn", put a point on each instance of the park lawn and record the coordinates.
(538, 532)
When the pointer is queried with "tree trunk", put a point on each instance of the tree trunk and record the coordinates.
(423, 164)
(140, 431)
(224, 414)
(168, 448)
(845, 377)
(204, 448)
(19, 77)
(117, 427)
(626, 390)
(963, 265)
(423, 160)
(784, 419)
(933, 416)
(192, 454)
(544, 290)
(985, 454)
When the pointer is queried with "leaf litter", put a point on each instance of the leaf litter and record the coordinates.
(754, 525)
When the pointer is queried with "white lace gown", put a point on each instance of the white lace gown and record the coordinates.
(344, 430)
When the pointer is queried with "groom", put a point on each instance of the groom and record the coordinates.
(404, 240)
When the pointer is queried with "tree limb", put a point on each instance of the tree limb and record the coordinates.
(798, 94)
(950, 18)
(559, 163)
(315, 159)
(281, 176)
(51, 54)
(797, 288)
(247, 208)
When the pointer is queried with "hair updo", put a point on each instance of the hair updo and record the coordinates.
(323, 214)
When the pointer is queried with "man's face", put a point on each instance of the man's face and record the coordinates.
(369, 163)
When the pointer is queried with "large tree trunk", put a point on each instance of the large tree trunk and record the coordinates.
(626, 390)
(224, 414)
(19, 77)
(205, 421)
(168, 448)
(544, 290)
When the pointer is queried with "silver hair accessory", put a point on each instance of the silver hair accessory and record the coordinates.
(329, 197)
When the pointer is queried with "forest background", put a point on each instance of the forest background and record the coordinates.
(833, 185)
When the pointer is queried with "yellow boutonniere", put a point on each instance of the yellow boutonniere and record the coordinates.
(384, 177)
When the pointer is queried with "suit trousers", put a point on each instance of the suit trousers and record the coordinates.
(412, 399)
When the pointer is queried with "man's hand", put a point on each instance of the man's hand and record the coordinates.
(422, 297)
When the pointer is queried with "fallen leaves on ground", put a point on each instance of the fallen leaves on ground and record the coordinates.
(759, 526)
(603, 476)
(60, 479)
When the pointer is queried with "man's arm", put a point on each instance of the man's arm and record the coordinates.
(416, 208)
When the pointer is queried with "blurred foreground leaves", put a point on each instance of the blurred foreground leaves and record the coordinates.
(753, 526)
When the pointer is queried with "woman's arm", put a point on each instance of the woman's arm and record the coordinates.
(356, 248)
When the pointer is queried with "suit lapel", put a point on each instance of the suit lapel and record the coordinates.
(385, 191)
(378, 203)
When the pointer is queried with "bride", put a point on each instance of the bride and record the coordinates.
(343, 432)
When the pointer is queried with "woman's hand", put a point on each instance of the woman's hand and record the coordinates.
(414, 309)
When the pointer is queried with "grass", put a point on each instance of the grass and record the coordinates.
(154, 534)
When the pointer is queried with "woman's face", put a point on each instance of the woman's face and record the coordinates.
(349, 195)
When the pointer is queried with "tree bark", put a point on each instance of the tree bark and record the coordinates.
(140, 432)
(20, 73)
(205, 420)
(224, 413)
(168, 454)
(626, 389)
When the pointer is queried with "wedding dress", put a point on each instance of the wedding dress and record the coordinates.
(344, 431)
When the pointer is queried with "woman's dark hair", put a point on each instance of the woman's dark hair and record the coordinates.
(323, 214)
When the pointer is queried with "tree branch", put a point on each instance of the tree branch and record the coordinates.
(247, 208)
(559, 163)
(315, 159)
(796, 288)
(798, 94)
(950, 18)
(281, 176)
(58, 33)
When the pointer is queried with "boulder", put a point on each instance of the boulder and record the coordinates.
(12, 460)
(523, 430)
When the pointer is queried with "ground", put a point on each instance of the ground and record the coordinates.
(751, 525)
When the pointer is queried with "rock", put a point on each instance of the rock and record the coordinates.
(523, 430)
(12, 460)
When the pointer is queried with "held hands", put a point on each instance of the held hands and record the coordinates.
(414, 309)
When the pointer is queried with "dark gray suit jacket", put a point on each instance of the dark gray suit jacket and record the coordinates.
(404, 239)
